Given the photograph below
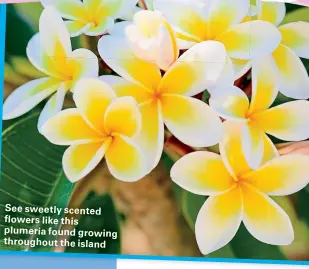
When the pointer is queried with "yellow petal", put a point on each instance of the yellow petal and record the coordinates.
(103, 26)
(190, 75)
(191, 121)
(251, 40)
(202, 173)
(92, 97)
(292, 77)
(79, 160)
(288, 122)
(295, 35)
(76, 28)
(125, 160)
(124, 87)
(230, 102)
(270, 150)
(241, 67)
(123, 117)
(223, 14)
(272, 12)
(264, 219)
(69, 127)
(219, 220)
(283, 175)
(116, 52)
(151, 137)
(264, 88)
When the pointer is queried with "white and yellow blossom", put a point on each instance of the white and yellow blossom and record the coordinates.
(223, 21)
(288, 121)
(101, 125)
(91, 17)
(168, 99)
(292, 77)
(50, 51)
(239, 194)
(152, 39)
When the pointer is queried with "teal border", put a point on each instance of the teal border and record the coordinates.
(110, 256)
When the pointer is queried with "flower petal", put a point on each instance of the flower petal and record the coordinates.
(295, 35)
(282, 176)
(124, 87)
(264, 88)
(270, 150)
(92, 98)
(252, 145)
(251, 40)
(53, 106)
(125, 160)
(264, 219)
(223, 14)
(191, 121)
(186, 17)
(104, 26)
(202, 173)
(27, 96)
(219, 220)
(151, 137)
(123, 117)
(292, 77)
(76, 28)
(79, 160)
(197, 69)
(230, 102)
(288, 122)
(272, 12)
(116, 52)
(241, 67)
(68, 127)
(69, 9)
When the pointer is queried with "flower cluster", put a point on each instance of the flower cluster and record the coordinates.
(165, 56)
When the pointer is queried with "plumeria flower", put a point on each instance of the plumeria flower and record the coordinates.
(292, 77)
(101, 125)
(239, 194)
(167, 99)
(50, 51)
(152, 38)
(288, 122)
(91, 17)
(221, 20)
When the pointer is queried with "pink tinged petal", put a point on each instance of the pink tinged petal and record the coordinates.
(292, 77)
(251, 40)
(295, 35)
(230, 102)
(281, 176)
(125, 159)
(202, 173)
(223, 14)
(252, 145)
(68, 127)
(123, 117)
(69, 9)
(116, 52)
(27, 96)
(105, 26)
(79, 160)
(92, 98)
(219, 220)
(272, 12)
(191, 121)
(53, 106)
(195, 70)
(288, 122)
(151, 137)
(124, 87)
(55, 38)
(265, 219)
(264, 88)
(77, 28)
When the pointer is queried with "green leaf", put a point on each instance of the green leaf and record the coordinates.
(302, 205)
(300, 14)
(108, 221)
(31, 174)
(30, 12)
